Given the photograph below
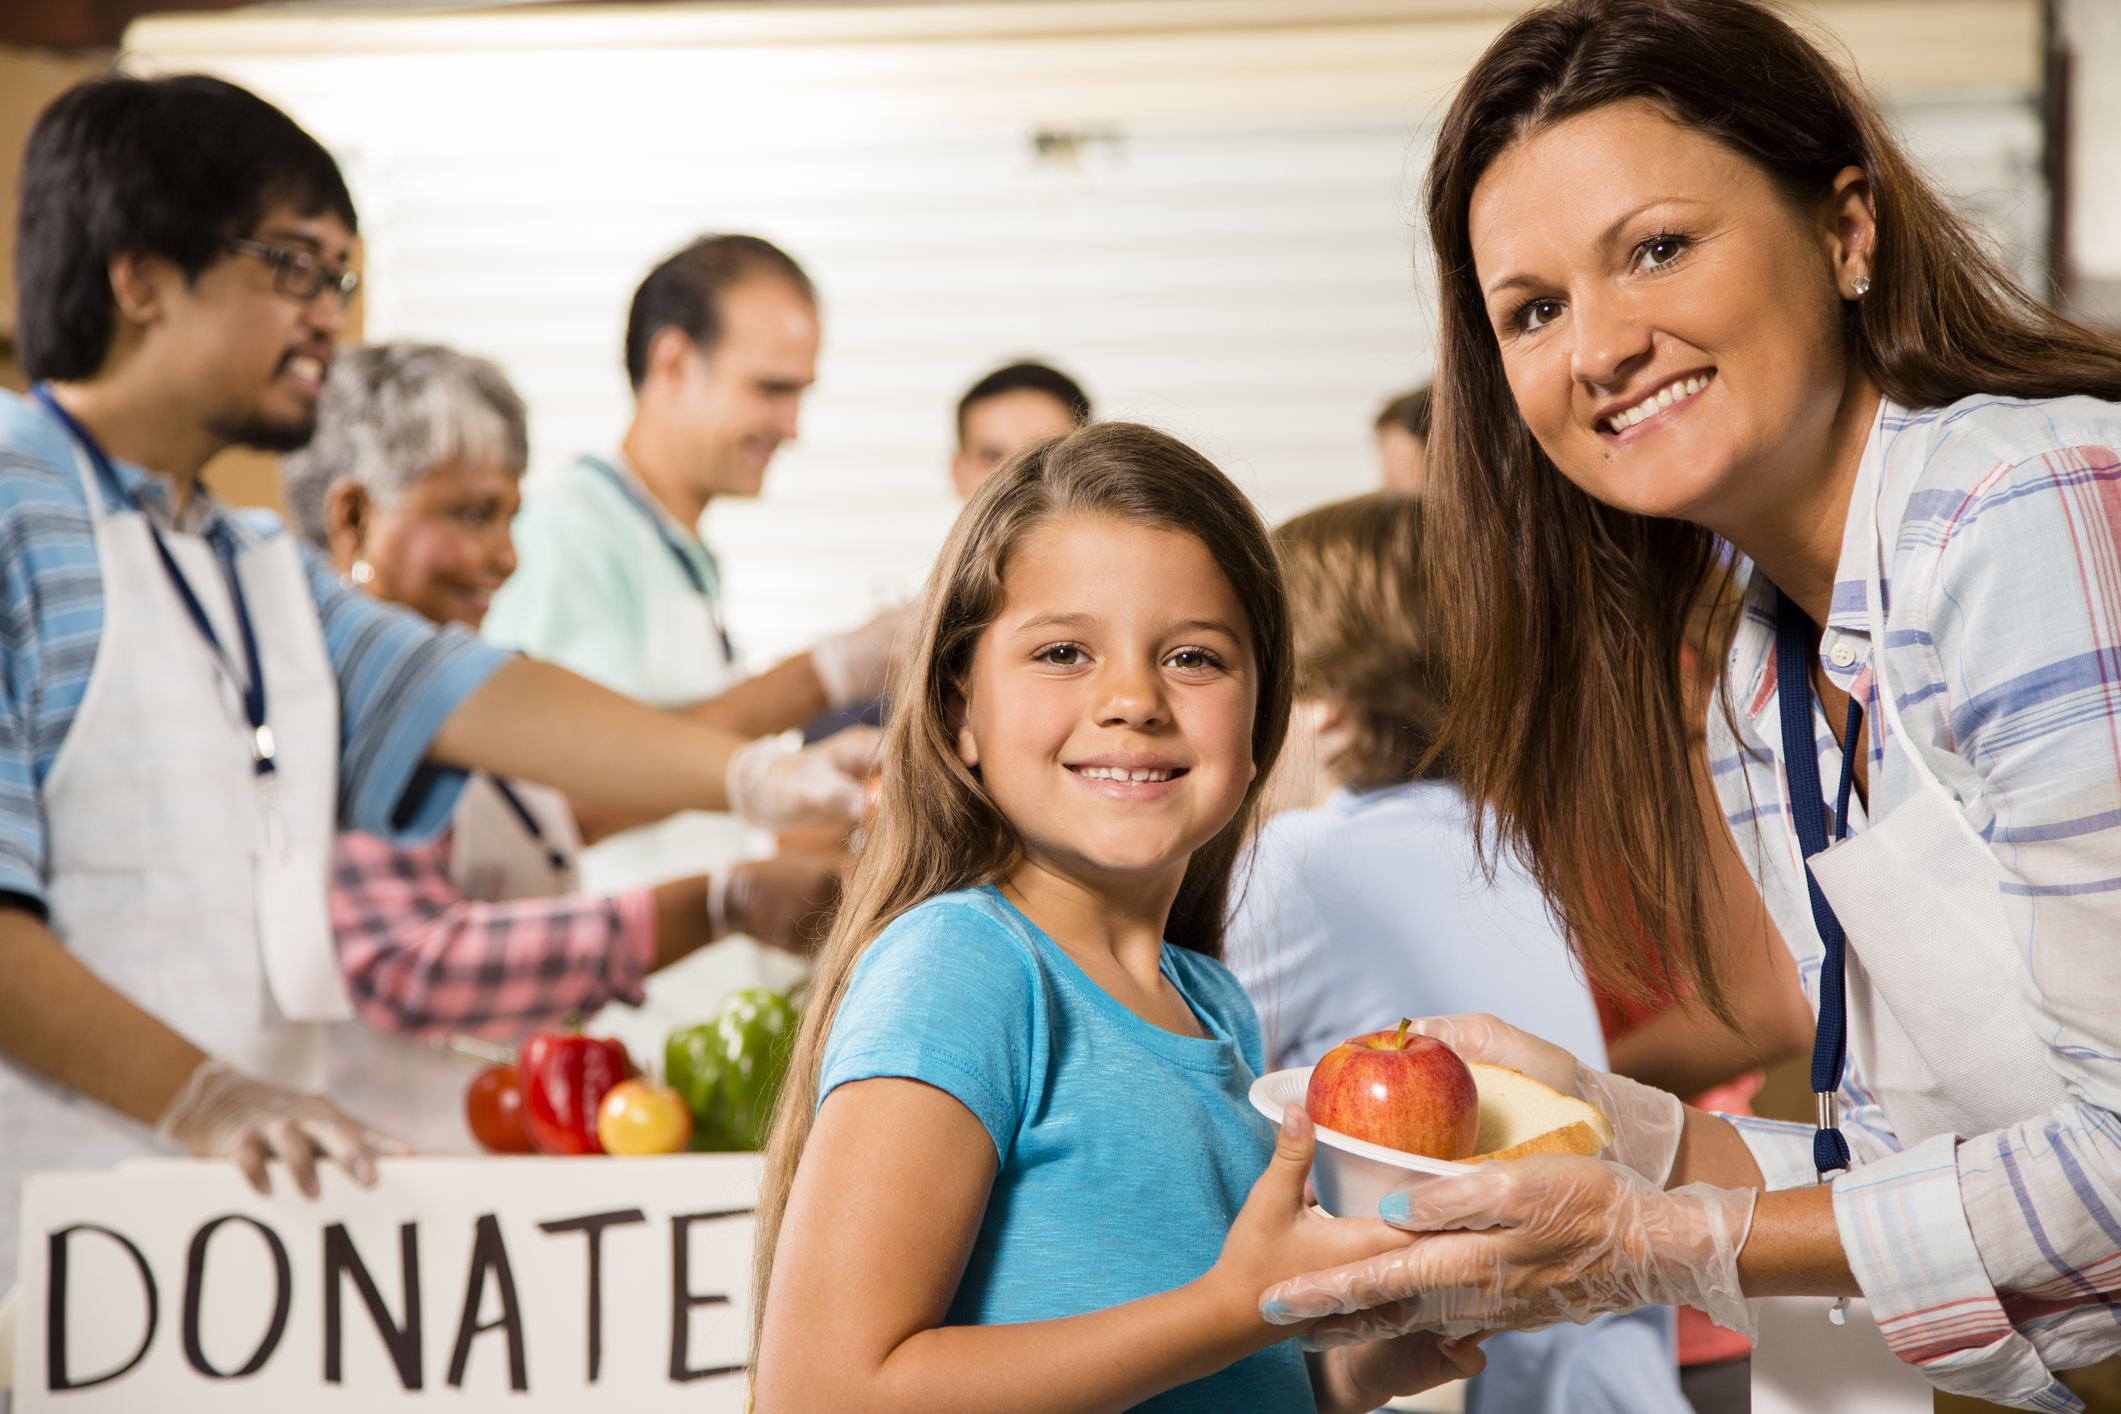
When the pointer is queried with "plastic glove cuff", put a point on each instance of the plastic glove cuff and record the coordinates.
(1647, 1122)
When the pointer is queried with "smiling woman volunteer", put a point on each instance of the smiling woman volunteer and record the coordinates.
(189, 703)
(1670, 318)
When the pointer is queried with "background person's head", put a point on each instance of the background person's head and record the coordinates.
(721, 342)
(1402, 429)
(1007, 411)
(134, 192)
(1369, 692)
(412, 477)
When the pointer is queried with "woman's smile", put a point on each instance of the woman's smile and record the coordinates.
(1674, 396)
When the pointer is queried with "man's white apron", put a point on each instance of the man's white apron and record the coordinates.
(160, 876)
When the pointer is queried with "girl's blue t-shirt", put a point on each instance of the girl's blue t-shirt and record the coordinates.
(1124, 1150)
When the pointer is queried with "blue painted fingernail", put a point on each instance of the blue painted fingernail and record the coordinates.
(1275, 1313)
(1394, 1208)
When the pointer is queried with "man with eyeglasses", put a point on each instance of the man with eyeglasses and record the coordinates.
(189, 704)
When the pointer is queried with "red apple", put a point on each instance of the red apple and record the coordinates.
(1405, 1092)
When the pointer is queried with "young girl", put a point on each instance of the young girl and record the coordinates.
(1010, 1167)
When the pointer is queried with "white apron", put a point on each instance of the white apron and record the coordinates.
(1931, 955)
(413, 1087)
(685, 659)
(493, 855)
(161, 880)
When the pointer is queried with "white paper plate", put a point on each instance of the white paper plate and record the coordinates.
(1348, 1175)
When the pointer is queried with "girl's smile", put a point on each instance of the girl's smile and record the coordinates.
(1129, 775)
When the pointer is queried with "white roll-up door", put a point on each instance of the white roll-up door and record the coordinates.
(1203, 209)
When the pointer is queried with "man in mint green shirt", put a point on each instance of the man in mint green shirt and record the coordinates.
(614, 581)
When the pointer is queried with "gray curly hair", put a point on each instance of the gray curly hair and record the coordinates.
(392, 413)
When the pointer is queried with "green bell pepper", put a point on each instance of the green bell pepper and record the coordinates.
(730, 1069)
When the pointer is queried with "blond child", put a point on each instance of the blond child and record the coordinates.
(1011, 1170)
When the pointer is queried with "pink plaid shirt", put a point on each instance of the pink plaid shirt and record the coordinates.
(419, 959)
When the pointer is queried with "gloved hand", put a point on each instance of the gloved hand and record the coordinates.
(785, 902)
(1647, 1122)
(222, 1111)
(777, 787)
(856, 666)
(1523, 1243)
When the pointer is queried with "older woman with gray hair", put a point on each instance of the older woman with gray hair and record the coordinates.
(408, 486)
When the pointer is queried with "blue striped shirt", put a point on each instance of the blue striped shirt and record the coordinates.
(1989, 1259)
(399, 677)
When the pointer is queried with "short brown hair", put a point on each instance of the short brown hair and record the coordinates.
(1362, 631)
(685, 292)
(1408, 410)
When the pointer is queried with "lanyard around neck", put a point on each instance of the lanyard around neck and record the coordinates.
(553, 857)
(252, 680)
(670, 541)
(1800, 760)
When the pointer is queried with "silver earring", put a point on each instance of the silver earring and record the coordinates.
(1862, 284)
(362, 572)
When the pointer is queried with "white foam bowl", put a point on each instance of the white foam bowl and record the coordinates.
(1348, 1176)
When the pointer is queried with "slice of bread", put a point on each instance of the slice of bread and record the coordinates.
(1519, 1116)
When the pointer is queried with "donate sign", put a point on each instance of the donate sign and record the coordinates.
(471, 1284)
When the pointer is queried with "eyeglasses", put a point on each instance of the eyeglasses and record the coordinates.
(299, 274)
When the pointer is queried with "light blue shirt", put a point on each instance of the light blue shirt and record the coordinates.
(399, 676)
(1374, 907)
(1123, 1150)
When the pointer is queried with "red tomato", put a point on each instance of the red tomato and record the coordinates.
(564, 1078)
(493, 1107)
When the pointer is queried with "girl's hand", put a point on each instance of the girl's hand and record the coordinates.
(1527, 1242)
(1277, 1233)
(1357, 1378)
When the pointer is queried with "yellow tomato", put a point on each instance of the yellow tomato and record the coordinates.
(643, 1119)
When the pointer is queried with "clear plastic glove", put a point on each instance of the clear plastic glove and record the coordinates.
(1647, 1122)
(785, 902)
(780, 787)
(1527, 1242)
(223, 1112)
(856, 666)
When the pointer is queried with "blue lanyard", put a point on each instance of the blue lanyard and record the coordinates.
(677, 550)
(262, 746)
(1800, 759)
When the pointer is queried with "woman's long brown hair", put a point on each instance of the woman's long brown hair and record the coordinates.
(936, 827)
(1564, 616)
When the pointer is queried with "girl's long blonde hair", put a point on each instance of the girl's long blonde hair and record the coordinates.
(936, 827)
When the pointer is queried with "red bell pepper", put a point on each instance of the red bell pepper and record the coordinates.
(563, 1078)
